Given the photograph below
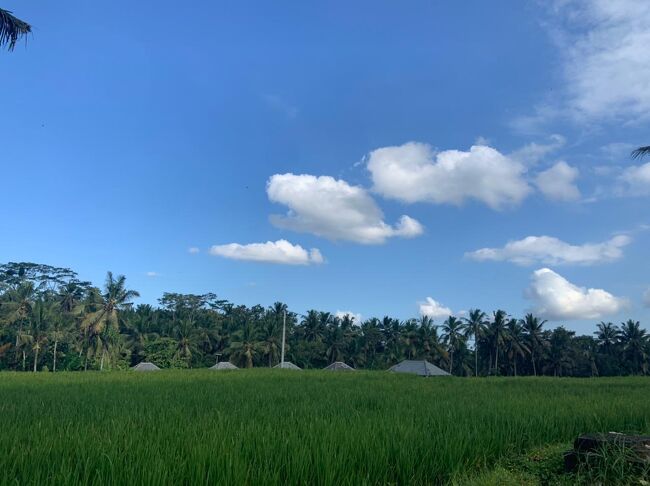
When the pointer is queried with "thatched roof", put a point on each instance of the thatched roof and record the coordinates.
(224, 365)
(145, 366)
(339, 366)
(287, 365)
(418, 367)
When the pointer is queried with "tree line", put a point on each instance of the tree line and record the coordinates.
(52, 321)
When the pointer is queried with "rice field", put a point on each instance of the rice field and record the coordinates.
(283, 427)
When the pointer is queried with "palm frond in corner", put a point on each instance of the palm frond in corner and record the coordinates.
(641, 152)
(11, 29)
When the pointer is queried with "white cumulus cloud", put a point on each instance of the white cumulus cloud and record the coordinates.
(280, 251)
(333, 209)
(634, 181)
(434, 309)
(556, 298)
(549, 250)
(558, 182)
(415, 172)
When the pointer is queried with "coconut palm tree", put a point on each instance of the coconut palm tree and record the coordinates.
(498, 332)
(452, 334)
(42, 316)
(102, 325)
(270, 335)
(245, 345)
(607, 336)
(11, 29)
(19, 309)
(475, 327)
(515, 343)
(635, 341)
(534, 337)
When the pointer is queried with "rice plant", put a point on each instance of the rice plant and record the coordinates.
(280, 427)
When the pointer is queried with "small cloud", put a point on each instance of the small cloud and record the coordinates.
(558, 182)
(434, 309)
(646, 297)
(634, 181)
(280, 251)
(193, 250)
(153, 274)
(480, 140)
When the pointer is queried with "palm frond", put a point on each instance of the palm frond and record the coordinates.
(641, 152)
(11, 29)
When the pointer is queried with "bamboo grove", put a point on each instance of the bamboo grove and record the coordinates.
(52, 321)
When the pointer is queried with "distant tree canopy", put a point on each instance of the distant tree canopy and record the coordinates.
(49, 319)
(11, 29)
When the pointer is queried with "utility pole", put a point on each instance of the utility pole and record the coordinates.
(284, 329)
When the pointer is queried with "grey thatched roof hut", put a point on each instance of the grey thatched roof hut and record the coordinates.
(145, 366)
(287, 365)
(339, 366)
(224, 365)
(418, 367)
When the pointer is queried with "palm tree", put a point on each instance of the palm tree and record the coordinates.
(43, 314)
(534, 337)
(515, 342)
(452, 333)
(430, 341)
(245, 345)
(635, 341)
(336, 343)
(410, 339)
(498, 333)
(102, 325)
(313, 328)
(70, 295)
(11, 29)
(607, 336)
(270, 336)
(19, 310)
(392, 333)
(59, 331)
(475, 327)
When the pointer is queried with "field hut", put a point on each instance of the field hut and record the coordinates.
(418, 367)
(145, 366)
(287, 365)
(224, 365)
(339, 366)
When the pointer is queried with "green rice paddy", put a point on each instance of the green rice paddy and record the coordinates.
(284, 427)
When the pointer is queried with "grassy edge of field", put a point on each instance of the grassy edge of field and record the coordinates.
(545, 466)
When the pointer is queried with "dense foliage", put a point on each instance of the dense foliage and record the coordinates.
(270, 427)
(50, 320)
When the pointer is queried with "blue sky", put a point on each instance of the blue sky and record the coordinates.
(134, 131)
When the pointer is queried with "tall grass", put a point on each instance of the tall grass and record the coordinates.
(279, 427)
